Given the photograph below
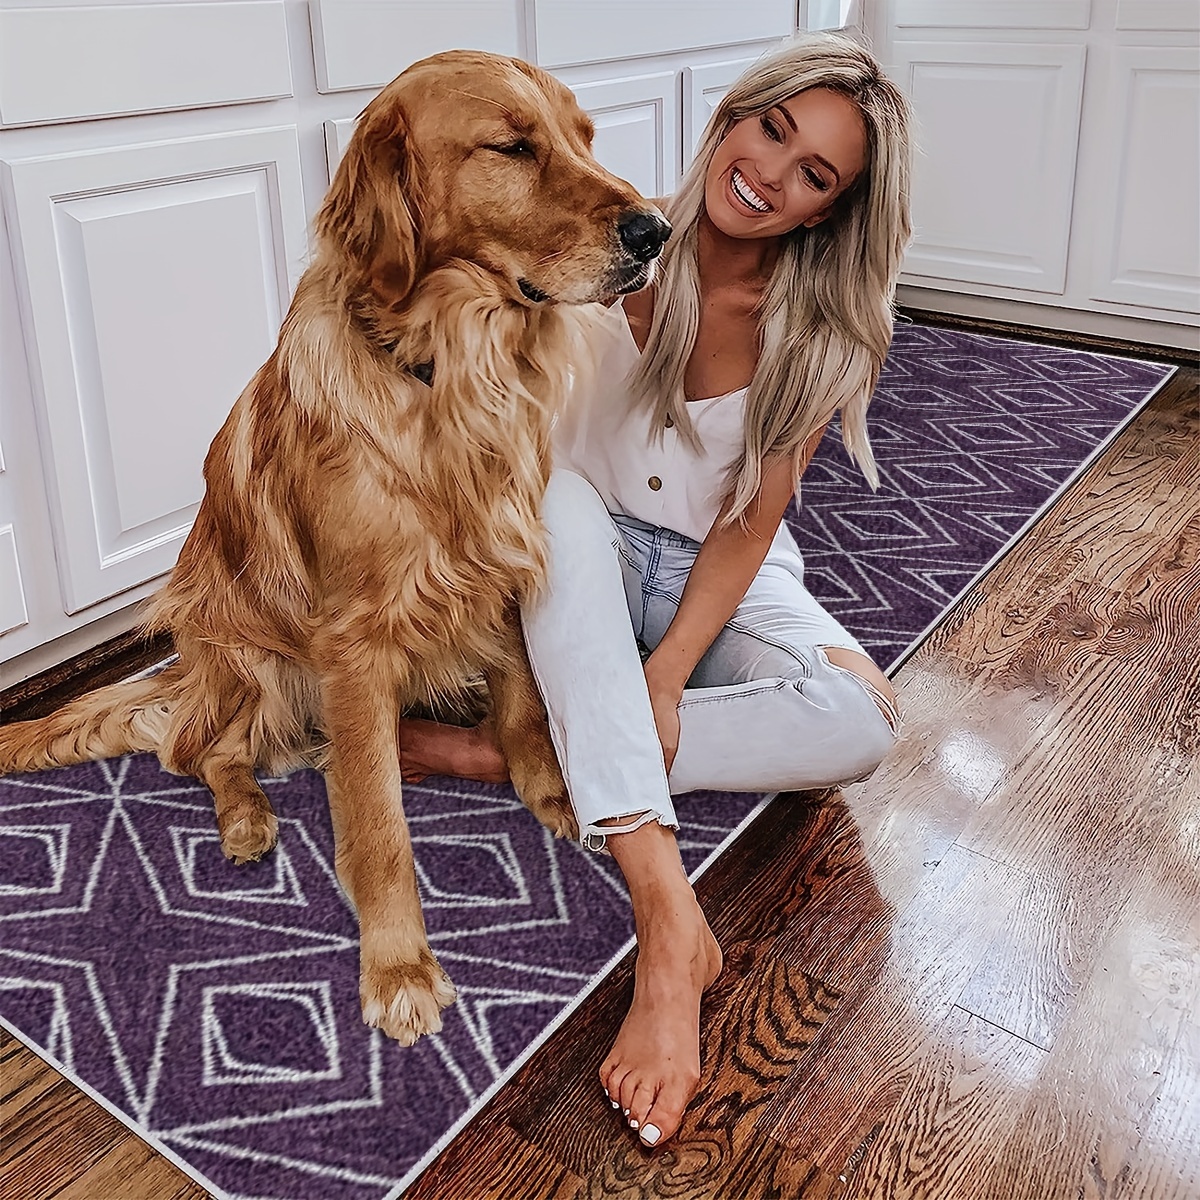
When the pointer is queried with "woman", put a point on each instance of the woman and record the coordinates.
(772, 314)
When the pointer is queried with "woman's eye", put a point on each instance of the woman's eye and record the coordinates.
(769, 128)
(815, 179)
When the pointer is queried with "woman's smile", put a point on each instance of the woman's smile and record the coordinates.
(745, 195)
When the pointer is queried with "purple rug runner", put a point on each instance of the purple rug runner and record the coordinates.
(217, 1007)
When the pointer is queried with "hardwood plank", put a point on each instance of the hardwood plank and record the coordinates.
(513, 1169)
(865, 1055)
(55, 1137)
(974, 1077)
(1080, 1131)
(1090, 867)
(109, 662)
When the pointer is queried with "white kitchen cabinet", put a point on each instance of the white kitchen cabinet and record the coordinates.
(154, 278)
(704, 87)
(1058, 176)
(637, 128)
(1146, 225)
(992, 191)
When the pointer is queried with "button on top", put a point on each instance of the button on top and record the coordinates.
(654, 483)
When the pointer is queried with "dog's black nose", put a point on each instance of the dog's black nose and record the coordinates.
(643, 234)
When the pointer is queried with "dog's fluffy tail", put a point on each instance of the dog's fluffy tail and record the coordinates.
(129, 716)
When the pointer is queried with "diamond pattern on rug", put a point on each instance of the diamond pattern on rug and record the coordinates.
(973, 434)
(217, 1006)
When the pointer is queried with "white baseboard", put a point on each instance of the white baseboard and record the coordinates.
(1049, 316)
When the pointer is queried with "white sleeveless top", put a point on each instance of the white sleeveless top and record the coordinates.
(609, 443)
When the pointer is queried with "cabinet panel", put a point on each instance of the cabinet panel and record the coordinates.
(1147, 249)
(367, 43)
(13, 613)
(577, 31)
(997, 128)
(1158, 14)
(992, 14)
(703, 89)
(154, 278)
(151, 57)
(337, 138)
(637, 128)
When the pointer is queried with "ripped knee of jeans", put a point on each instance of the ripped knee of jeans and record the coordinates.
(843, 660)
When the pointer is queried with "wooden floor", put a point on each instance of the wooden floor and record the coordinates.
(977, 975)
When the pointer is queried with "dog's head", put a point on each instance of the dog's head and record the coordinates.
(487, 159)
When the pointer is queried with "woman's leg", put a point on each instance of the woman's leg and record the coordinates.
(785, 699)
(581, 638)
(583, 650)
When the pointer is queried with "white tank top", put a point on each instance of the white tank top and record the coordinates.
(610, 443)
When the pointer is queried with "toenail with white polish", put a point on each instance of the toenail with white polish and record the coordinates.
(651, 1134)
(625, 1111)
(632, 1123)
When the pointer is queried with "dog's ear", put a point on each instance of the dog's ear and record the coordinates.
(372, 210)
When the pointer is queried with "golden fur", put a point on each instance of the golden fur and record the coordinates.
(365, 537)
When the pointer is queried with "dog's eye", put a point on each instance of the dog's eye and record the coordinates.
(519, 149)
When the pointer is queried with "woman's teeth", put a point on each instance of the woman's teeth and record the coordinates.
(746, 194)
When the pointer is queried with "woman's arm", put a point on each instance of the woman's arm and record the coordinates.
(724, 568)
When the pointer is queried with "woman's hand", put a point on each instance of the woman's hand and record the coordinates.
(665, 694)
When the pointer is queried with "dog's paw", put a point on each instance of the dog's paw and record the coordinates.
(248, 838)
(542, 790)
(405, 1000)
(556, 813)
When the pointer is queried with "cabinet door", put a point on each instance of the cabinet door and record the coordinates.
(152, 282)
(367, 43)
(704, 87)
(13, 612)
(996, 129)
(567, 32)
(637, 128)
(1145, 181)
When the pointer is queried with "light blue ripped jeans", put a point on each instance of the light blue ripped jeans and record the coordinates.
(765, 710)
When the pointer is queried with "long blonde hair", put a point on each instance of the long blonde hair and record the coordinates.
(825, 319)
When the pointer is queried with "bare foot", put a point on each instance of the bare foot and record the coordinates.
(653, 1068)
(429, 748)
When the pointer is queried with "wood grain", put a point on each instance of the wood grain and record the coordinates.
(966, 1081)
(59, 1143)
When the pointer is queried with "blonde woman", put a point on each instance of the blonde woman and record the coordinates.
(773, 312)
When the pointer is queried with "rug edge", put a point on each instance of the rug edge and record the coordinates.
(140, 1131)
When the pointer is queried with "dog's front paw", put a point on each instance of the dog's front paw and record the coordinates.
(540, 785)
(248, 836)
(556, 813)
(405, 999)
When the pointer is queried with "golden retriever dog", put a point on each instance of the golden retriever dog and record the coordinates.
(370, 523)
